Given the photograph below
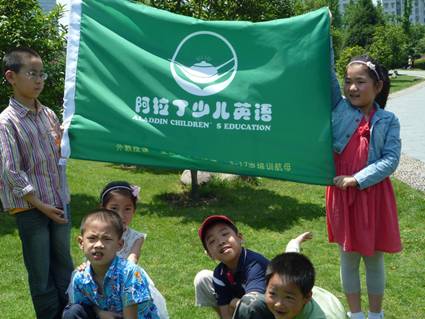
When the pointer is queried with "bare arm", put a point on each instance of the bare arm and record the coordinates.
(225, 312)
(55, 214)
(135, 250)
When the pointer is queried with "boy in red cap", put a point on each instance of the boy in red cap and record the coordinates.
(240, 273)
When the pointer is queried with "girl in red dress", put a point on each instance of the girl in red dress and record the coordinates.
(361, 208)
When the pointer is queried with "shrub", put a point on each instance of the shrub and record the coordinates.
(23, 23)
(345, 57)
(419, 64)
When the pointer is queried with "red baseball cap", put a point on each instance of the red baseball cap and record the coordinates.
(211, 220)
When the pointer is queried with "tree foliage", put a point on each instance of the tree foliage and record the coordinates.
(389, 46)
(23, 23)
(248, 10)
(361, 19)
(407, 11)
(345, 57)
(416, 42)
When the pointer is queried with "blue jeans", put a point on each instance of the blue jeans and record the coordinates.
(47, 258)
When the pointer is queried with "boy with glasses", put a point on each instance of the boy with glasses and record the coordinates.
(30, 182)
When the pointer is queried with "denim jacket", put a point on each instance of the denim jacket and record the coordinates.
(384, 146)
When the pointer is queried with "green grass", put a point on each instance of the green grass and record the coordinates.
(268, 214)
(403, 82)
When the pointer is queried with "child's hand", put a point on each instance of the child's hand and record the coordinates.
(55, 214)
(344, 181)
(82, 266)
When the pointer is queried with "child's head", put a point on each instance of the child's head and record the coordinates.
(23, 69)
(120, 197)
(366, 81)
(221, 238)
(100, 237)
(289, 283)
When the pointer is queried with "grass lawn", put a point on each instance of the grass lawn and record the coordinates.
(268, 215)
(404, 81)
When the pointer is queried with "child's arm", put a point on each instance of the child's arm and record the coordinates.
(135, 250)
(294, 245)
(387, 163)
(55, 214)
(336, 95)
(225, 312)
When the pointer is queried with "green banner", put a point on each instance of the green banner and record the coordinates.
(145, 86)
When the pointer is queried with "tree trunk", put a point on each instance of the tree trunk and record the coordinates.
(194, 192)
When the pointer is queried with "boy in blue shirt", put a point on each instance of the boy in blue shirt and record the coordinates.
(109, 286)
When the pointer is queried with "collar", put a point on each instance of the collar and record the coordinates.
(241, 262)
(307, 310)
(89, 274)
(21, 109)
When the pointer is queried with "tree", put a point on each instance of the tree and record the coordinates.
(23, 23)
(248, 10)
(407, 11)
(303, 6)
(389, 46)
(416, 40)
(345, 57)
(360, 20)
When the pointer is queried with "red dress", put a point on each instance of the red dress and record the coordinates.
(362, 221)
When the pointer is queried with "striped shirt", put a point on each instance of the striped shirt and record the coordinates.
(29, 155)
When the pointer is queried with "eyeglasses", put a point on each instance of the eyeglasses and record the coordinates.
(33, 75)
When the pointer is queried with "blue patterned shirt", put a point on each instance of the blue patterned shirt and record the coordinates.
(124, 285)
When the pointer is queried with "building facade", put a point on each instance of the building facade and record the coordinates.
(47, 5)
(396, 7)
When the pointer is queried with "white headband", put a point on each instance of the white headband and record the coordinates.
(369, 64)
(133, 189)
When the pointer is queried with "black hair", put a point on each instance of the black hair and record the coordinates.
(295, 268)
(14, 59)
(108, 216)
(117, 187)
(382, 72)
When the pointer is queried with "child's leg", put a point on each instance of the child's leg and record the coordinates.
(204, 289)
(375, 280)
(76, 311)
(350, 279)
(34, 232)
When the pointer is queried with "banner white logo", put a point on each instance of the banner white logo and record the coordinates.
(202, 73)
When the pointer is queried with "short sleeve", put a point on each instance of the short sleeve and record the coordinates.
(75, 290)
(136, 289)
(255, 278)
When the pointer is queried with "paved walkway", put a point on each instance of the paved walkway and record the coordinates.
(409, 106)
